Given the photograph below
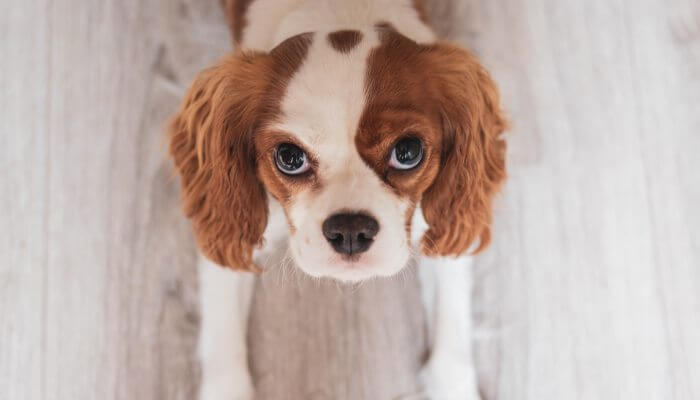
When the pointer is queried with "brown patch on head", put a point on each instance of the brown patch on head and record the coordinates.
(397, 107)
(384, 28)
(285, 60)
(289, 55)
(236, 11)
(213, 143)
(345, 40)
(440, 94)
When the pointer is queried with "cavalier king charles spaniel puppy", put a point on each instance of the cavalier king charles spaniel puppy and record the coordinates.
(347, 133)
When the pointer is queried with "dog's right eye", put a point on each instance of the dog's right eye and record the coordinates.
(291, 160)
(407, 153)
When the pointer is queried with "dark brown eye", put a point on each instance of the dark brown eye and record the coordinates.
(407, 153)
(291, 160)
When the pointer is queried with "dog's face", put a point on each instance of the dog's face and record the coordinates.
(350, 131)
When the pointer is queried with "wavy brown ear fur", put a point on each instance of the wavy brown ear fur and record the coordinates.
(211, 144)
(457, 206)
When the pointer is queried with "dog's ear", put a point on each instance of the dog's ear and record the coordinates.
(212, 146)
(457, 206)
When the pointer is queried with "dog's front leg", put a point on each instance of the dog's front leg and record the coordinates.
(449, 373)
(225, 297)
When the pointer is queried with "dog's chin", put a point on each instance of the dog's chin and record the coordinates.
(352, 271)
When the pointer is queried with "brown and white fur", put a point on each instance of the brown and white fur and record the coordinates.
(344, 81)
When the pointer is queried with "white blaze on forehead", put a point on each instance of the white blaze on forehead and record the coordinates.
(325, 99)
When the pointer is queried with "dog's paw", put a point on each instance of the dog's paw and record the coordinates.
(236, 387)
(449, 379)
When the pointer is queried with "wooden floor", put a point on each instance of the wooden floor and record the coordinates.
(591, 289)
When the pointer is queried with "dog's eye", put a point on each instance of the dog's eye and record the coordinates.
(407, 153)
(291, 160)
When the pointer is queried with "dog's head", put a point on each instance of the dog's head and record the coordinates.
(350, 131)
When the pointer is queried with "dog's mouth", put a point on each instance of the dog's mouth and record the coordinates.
(350, 268)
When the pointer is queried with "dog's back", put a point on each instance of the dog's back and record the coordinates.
(262, 24)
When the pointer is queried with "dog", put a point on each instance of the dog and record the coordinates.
(348, 132)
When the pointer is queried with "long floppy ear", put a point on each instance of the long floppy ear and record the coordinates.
(457, 206)
(211, 144)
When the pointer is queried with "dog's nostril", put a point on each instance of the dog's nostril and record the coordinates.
(350, 233)
(337, 238)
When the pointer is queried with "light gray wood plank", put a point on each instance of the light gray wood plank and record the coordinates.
(24, 84)
(591, 288)
(314, 339)
(121, 314)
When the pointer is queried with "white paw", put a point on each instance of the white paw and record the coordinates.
(231, 387)
(446, 378)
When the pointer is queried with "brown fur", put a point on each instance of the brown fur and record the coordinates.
(283, 187)
(438, 93)
(235, 11)
(212, 141)
(288, 57)
(382, 125)
(442, 95)
(458, 205)
(345, 40)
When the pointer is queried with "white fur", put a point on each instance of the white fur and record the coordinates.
(225, 301)
(322, 108)
(272, 21)
(446, 286)
(225, 297)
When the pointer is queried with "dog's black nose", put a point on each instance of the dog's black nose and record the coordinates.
(350, 233)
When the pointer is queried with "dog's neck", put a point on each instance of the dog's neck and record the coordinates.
(266, 23)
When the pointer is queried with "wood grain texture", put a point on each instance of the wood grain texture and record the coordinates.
(591, 289)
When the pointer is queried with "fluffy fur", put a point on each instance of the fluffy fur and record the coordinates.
(344, 81)
(211, 142)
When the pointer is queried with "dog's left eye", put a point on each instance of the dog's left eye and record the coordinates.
(407, 153)
(291, 160)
